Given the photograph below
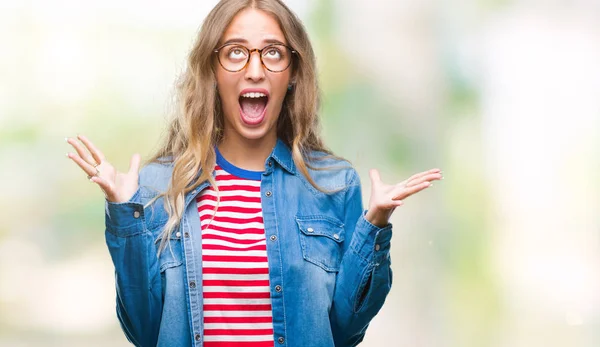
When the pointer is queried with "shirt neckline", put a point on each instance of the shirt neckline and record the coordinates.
(237, 171)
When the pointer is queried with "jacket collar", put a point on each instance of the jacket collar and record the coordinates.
(283, 156)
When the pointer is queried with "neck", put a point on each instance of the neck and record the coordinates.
(247, 154)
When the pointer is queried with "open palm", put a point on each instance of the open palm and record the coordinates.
(385, 197)
(117, 186)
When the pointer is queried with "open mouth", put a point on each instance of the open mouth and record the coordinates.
(253, 106)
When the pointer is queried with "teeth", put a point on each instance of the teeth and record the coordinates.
(254, 95)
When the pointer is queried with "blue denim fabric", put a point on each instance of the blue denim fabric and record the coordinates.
(331, 267)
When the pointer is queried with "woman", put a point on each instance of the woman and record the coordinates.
(244, 230)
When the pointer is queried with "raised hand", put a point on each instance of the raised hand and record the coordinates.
(385, 198)
(117, 186)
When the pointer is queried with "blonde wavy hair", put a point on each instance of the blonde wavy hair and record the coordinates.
(196, 126)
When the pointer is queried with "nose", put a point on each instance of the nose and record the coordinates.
(255, 70)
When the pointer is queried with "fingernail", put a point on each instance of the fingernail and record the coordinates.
(67, 155)
(66, 139)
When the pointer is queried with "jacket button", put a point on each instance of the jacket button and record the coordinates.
(178, 234)
(270, 163)
(336, 236)
(186, 234)
(281, 340)
(273, 238)
(136, 214)
(377, 247)
(192, 284)
(198, 337)
(278, 288)
(268, 193)
(310, 230)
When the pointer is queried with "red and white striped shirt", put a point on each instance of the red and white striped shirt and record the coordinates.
(235, 271)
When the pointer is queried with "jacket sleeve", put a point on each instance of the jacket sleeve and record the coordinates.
(137, 276)
(365, 276)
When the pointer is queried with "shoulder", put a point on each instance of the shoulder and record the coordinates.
(156, 175)
(331, 172)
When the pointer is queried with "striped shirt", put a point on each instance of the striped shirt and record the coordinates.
(235, 271)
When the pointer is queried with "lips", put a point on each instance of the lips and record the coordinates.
(253, 105)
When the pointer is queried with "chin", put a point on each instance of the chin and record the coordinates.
(256, 132)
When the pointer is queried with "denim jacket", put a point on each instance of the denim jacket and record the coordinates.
(329, 268)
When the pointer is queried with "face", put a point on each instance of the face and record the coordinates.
(248, 114)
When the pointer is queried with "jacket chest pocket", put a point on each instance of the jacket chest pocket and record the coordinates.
(155, 215)
(170, 263)
(321, 240)
(156, 218)
(171, 255)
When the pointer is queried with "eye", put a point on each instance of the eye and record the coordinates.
(236, 53)
(273, 53)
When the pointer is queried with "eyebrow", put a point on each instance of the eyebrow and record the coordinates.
(241, 40)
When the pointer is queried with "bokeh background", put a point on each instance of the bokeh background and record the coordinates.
(503, 95)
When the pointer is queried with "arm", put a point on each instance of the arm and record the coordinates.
(137, 276)
(131, 245)
(365, 276)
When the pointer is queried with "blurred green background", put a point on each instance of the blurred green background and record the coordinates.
(504, 96)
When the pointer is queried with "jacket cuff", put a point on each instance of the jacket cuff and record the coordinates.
(125, 219)
(371, 242)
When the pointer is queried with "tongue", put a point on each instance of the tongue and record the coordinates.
(253, 107)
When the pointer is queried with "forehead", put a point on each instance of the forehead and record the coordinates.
(254, 27)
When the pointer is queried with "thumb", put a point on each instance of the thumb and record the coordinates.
(134, 164)
(374, 175)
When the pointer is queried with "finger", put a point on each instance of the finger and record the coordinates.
(134, 164)
(374, 175)
(421, 174)
(85, 166)
(96, 153)
(404, 192)
(430, 177)
(81, 151)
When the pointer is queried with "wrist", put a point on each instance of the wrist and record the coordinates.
(377, 218)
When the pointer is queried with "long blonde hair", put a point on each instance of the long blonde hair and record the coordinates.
(196, 126)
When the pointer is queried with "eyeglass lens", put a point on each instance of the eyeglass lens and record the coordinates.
(275, 58)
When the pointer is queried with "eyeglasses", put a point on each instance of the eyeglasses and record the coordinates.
(234, 57)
